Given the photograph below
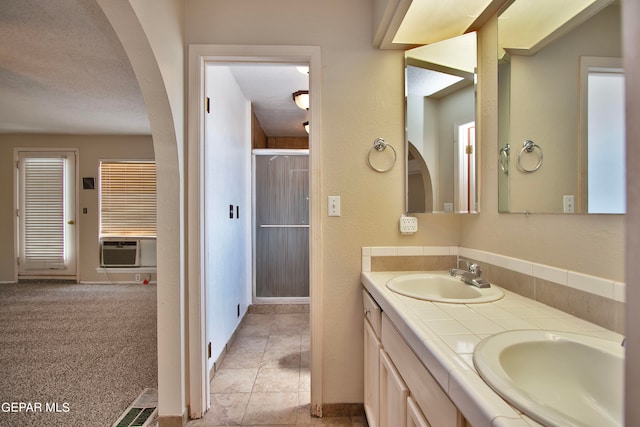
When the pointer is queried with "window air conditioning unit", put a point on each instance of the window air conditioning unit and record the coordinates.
(120, 253)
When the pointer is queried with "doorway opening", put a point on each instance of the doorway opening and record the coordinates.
(203, 149)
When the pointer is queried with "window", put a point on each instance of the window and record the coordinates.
(127, 199)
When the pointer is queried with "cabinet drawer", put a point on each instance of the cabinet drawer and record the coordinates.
(426, 391)
(372, 312)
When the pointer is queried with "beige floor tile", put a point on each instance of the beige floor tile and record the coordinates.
(249, 343)
(271, 408)
(277, 380)
(226, 409)
(239, 358)
(234, 380)
(284, 341)
(285, 358)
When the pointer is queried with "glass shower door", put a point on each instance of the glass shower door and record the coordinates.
(281, 224)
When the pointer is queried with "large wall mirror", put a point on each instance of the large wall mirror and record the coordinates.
(561, 107)
(440, 127)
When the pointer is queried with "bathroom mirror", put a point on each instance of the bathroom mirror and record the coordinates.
(440, 127)
(561, 108)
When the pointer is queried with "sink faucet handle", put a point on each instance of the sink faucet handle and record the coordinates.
(475, 269)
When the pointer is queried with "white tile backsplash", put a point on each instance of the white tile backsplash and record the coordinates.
(591, 284)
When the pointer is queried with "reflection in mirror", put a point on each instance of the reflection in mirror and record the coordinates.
(440, 126)
(561, 86)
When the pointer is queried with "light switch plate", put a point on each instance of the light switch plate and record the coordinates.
(408, 224)
(568, 202)
(333, 206)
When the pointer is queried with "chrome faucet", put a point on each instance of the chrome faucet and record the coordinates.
(470, 276)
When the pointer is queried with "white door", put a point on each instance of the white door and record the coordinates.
(46, 209)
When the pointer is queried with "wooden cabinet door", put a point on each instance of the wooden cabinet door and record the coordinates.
(393, 394)
(415, 418)
(372, 346)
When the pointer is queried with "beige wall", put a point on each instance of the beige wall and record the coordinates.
(362, 98)
(91, 149)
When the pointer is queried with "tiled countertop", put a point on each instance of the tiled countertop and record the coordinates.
(444, 337)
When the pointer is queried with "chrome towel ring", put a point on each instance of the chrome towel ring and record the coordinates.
(380, 145)
(504, 159)
(530, 147)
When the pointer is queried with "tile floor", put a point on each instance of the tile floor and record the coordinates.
(264, 378)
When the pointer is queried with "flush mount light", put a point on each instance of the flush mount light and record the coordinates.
(301, 98)
(306, 126)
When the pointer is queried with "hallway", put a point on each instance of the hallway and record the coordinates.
(264, 379)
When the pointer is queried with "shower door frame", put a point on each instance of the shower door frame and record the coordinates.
(270, 300)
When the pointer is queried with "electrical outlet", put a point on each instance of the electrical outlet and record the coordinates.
(137, 278)
(568, 203)
(408, 224)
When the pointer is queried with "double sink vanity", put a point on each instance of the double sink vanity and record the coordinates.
(441, 352)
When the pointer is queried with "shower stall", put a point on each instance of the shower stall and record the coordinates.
(281, 226)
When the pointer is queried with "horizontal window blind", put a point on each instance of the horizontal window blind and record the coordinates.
(43, 212)
(127, 199)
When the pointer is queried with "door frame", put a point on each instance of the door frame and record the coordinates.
(73, 274)
(199, 56)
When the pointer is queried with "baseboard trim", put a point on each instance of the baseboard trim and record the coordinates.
(172, 420)
(342, 409)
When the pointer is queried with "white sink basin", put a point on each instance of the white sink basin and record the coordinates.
(556, 378)
(441, 287)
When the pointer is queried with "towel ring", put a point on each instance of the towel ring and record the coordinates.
(529, 147)
(504, 159)
(380, 145)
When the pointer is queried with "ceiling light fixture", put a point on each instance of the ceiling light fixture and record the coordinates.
(306, 126)
(301, 98)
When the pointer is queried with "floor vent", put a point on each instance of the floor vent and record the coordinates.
(141, 412)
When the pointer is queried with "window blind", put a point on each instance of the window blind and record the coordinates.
(127, 199)
(43, 212)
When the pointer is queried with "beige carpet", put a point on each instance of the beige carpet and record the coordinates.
(74, 355)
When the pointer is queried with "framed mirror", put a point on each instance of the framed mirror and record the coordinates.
(561, 108)
(440, 127)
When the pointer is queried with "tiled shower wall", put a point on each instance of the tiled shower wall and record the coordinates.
(597, 300)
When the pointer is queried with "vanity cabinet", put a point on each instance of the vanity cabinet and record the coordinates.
(414, 415)
(401, 391)
(372, 348)
(393, 394)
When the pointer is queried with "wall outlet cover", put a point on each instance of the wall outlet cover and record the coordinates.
(408, 224)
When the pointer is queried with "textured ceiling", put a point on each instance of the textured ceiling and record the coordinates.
(63, 70)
